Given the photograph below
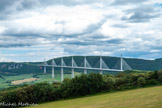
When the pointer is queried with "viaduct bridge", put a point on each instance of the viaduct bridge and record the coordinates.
(86, 66)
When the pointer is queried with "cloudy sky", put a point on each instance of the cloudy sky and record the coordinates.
(31, 30)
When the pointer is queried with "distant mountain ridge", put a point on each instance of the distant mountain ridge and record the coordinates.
(111, 62)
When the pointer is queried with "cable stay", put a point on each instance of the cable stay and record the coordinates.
(87, 64)
(73, 63)
(53, 62)
(125, 65)
(62, 62)
(97, 65)
(104, 65)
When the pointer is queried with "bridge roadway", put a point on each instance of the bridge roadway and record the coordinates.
(88, 68)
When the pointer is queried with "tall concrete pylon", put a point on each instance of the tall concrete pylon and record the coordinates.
(85, 65)
(53, 69)
(72, 69)
(62, 70)
(101, 72)
(121, 63)
(45, 63)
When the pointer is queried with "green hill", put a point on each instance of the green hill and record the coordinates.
(12, 68)
(114, 62)
(139, 98)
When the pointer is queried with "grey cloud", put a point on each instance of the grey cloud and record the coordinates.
(4, 4)
(75, 51)
(85, 42)
(115, 41)
(91, 49)
(28, 4)
(13, 45)
(69, 3)
(92, 41)
(93, 27)
(120, 26)
(125, 2)
(77, 43)
(14, 31)
(5, 8)
(12, 7)
(95, 36)
(10, 41)
(141, 14)
(21, 34)
(140, 17)
(156, 47)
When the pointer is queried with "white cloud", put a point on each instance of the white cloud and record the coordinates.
(51, 29)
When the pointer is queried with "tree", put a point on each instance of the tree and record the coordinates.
(109, 83)
(141, 81)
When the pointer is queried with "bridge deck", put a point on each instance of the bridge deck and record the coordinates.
(88, 68)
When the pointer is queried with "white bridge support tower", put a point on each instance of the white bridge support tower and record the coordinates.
(62, 70)
(101, 72)
(45, 63)
(72, 69)
(121, 63)
(53, 69)
(85, 63)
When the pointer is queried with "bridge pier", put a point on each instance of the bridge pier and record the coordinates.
(72, 73)
(62, 74)
(44, 69)
(72, 69)
(53, 72)
(101, 72)
(85, 65)
(53, 69)
(62, 70)
(45, 63)
(121, 63)
(85, 71)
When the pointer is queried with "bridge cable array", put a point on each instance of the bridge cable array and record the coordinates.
(85, 65)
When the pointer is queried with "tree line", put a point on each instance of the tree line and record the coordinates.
(79, 86)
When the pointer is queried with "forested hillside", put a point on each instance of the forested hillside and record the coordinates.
(114, 62)
(111, 62)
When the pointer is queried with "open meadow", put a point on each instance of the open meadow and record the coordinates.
(150, 97)
(9, 81)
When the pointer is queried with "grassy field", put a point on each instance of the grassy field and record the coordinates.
(138, 98)
(17, 82)
(6, 81)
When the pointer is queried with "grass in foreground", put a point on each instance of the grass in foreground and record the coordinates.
(139, 98)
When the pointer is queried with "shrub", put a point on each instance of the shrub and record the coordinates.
(152, 82)
(160, 78)
(141, 81)
(153, 75)
(9, 97)
(160, 72)
(82, 85)
(109, 83)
